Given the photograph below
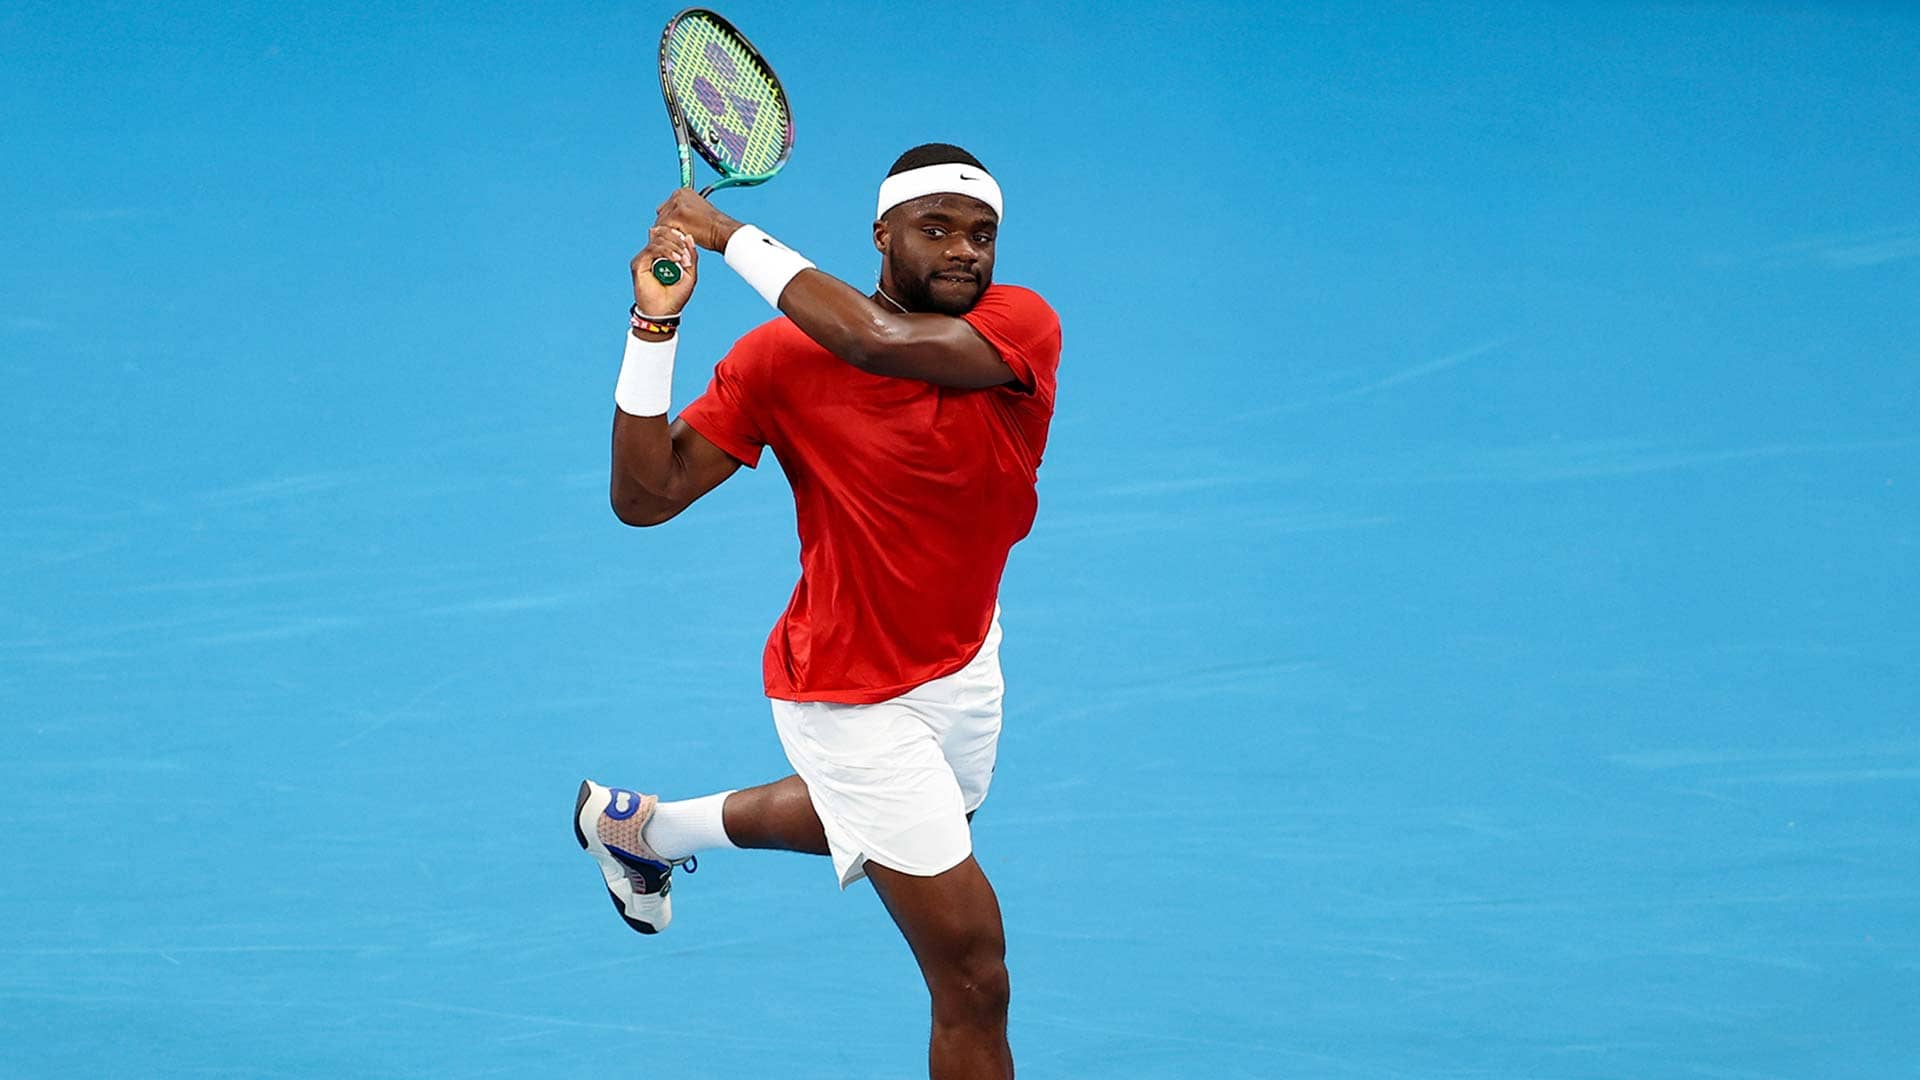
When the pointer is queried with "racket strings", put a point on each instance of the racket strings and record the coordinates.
(732, 105)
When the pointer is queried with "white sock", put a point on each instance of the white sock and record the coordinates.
(679, 829)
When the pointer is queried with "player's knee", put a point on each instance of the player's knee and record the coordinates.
(974, 990)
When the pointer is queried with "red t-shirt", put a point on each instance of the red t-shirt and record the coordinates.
(908, 496)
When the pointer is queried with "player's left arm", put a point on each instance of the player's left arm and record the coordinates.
(941, 349)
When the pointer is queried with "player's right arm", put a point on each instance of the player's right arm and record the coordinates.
(660, 469)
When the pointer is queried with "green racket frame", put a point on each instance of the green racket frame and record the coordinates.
(706, 139)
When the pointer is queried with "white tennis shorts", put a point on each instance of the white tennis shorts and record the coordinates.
(893, 782)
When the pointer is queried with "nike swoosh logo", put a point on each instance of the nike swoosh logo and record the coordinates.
(964, 176)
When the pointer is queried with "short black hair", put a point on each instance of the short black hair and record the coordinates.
(934, 153)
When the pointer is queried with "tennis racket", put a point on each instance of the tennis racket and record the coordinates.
(725, 102)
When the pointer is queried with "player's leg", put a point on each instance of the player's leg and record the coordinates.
(771, 817)
(962, 711)
(775, 817)
(638, 840)
(952, 922)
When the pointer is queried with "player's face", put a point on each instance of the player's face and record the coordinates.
(938, 252)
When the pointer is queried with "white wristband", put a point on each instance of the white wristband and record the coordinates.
(646, 376)
(764, 262)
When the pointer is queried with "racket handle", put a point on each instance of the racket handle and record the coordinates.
(666, 271)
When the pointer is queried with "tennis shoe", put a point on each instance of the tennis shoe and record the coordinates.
(610, 824)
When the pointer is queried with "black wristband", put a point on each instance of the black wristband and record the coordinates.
(636, 318)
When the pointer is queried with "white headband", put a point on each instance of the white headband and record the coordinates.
(951, 179)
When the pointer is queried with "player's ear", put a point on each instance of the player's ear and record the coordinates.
(880, 237)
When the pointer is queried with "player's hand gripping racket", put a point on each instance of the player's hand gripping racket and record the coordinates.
(725, 102)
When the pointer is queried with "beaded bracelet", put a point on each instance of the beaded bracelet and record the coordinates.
(653, 324)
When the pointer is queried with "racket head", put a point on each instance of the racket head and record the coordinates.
(724, 99)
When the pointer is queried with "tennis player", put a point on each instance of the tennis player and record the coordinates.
(910, 423)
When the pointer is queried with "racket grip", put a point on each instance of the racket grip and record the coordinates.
(666, 271)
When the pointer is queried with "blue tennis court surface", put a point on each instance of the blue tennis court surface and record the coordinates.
(1470, 629)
